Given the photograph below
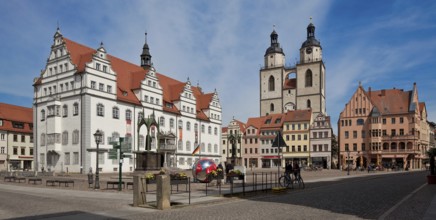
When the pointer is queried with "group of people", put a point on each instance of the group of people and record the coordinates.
(295, 169)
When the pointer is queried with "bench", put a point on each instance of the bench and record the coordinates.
(129, 184)
(20, 178)
(113, 183)
(66, 182)
(51, 182)
(9, 178)
(35, 180)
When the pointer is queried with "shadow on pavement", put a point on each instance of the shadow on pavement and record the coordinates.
(66, 215)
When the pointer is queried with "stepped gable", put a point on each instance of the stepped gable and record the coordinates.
(130, 76)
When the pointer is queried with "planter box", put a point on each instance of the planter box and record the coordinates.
(150, 181)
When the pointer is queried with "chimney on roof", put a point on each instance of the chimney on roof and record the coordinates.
(369, 92)
(383, 92)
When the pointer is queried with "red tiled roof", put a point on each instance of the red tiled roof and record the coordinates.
(242, 126)
(391, 101)
(290, 83)
(129, 77)
(12, 113)
(421, 108)
(298, 115)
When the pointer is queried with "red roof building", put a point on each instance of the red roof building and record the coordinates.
(385, 128)
(84, 89)
(16, 138)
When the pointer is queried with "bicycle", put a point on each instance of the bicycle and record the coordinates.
(285, 180)
(298, 181)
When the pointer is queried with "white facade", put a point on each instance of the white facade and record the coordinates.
(321, 141)
(73, 100)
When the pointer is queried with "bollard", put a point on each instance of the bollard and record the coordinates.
(138, 191)
(163, 192)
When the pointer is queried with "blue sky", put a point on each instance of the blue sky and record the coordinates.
(220, 44)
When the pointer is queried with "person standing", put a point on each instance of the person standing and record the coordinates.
(288, 170)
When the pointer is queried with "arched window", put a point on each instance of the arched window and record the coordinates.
(128, 115)
(65, 138)
(271, 86)
(209, 147)
(309, 104)
(128, 140)
(209, 130)
(65, 111)
(180, 124)
(171, 122)
(203, 147)
(271, 107)
(215, 131)
(180, 145)
(115, 136)
(308, 78)
(100, 110)
(188, 146)
(215, 148)
(162, 121)
(188, 126)
(115, 112)
(42, 115)
(76, 137)
(75, 108)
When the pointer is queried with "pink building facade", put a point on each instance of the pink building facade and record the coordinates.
(384, 128)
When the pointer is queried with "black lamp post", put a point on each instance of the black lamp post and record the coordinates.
(98, 135)
(348, 161)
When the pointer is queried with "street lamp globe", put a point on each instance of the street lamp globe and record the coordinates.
(97, 136)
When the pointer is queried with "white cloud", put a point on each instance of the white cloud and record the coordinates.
(219, 44)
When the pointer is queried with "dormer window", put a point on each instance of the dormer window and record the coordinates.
(104, 68)
(97, 66)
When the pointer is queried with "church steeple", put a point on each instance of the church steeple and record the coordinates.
(311, 40)
(145, 56)
(275, 45)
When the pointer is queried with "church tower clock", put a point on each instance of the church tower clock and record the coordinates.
(311, 75)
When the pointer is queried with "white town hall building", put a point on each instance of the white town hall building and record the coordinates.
(82, 90)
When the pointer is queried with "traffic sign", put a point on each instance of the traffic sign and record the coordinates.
(126, 147)
(113, 154)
